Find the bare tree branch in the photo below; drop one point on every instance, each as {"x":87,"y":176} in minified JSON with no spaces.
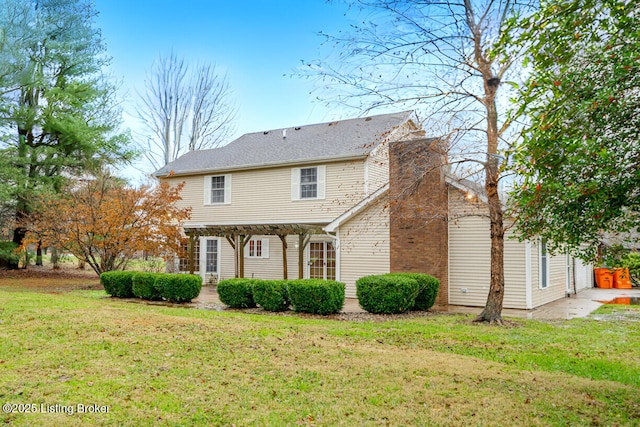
{"x":183,"y":110}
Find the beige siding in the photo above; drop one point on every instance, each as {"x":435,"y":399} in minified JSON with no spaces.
{"x":264,"y":195}
{"x":364,"y":245}
{"x":557,"y":278}
{"x":377,"y":168}
{"x":470,"y":258}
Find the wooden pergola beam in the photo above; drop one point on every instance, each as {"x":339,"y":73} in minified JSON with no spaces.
{"x":285,"y":272}
{"x":192,"y":250}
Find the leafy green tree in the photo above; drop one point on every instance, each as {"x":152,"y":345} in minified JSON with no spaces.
{"x":58,"y":118}
{"x":580,"y":156}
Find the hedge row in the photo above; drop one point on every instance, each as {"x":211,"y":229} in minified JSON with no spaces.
{"x":306,"y":296}
{"x":397,"y":292}
{"x":152,"y":286}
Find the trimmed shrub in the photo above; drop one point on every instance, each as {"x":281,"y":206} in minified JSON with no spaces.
{"x":237,"y":293}
{"x":272,"y":295}
{"x":144,"y":286}
{"x":316,"y":296}
{"x":387,"y":294}
{"x":428,"y":289}
{"x":179,"y":287}
{"x":118,"y":283}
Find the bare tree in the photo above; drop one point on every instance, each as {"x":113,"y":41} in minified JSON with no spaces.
{"x":444,"y":59}
{"x":184,"y":109}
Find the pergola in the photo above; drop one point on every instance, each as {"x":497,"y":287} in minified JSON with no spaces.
{"x":238,"y":235}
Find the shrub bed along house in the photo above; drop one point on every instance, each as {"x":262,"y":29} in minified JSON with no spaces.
{"x":387,"y":293}
{"x":151,"y":286}
{"x":144,"y":286}
{"x":316,"y":296}
{"x":272,"y":295}
{"x":118,"y":283}
{"x":237,"y":293}
{"x":179,"y":287}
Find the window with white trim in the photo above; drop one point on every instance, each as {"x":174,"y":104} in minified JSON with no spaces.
{"x":212,"y":256}
{"x":308,"y":183}
{"x":544,"y":264}
{"x":217,"y":190}
{"x":257,"y":248}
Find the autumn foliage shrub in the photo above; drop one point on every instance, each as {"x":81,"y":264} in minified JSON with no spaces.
{"x":272,"y":295}
{"x":144,"y":286}
{"x":179,"y":287}
{"x":428,"y":289}
{"x":237,"y":293}
{"x":316,"y":296}
{"x":118,"y":283}
{"x":387,"y":293}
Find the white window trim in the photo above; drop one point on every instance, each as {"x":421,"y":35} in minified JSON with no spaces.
{"x":227,"y":190}
{"x":203,"y":257}
{"x":295,"y":183}
{"x":541,"y":284}
{"x":265,"y":249}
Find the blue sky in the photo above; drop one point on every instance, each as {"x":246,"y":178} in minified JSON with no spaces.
{"x":258,"y":43}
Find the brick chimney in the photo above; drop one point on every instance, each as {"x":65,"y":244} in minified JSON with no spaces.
{"x":418,"y":210}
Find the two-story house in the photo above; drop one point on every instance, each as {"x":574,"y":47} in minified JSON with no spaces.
{"x":346,"y":199}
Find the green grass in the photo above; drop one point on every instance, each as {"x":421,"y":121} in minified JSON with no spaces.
{"x":156,"y":365}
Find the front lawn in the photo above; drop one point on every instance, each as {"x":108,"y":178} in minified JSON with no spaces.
{"x":154,"y":365}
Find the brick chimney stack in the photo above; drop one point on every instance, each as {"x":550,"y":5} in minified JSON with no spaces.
{"x":418,"y":210}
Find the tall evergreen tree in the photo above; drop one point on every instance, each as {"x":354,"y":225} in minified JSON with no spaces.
{"x":58,"y":118}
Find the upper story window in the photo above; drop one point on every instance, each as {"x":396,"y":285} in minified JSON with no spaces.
{"x":217,"y":190}
{"x":308,"y":183}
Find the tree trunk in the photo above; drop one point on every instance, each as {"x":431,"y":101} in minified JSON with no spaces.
{"x":18,"y":237}
{"x":39,"y":253}
{"x":54,"y":258}
{"x":493,"y":309}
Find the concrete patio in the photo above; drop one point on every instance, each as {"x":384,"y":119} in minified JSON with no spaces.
{"x":577,"y":305}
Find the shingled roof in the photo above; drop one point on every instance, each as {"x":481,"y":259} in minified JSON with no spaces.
{"x":342,"y":139}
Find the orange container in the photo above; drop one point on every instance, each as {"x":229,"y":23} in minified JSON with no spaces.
{"x":604,"y":278}
{"x":621,"y":278}
{"x":622,"y":301}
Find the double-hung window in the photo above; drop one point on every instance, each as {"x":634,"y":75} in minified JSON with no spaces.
{"x":308,"y":183}
{"x":217,"y":190}
{"x":212,"y":256}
